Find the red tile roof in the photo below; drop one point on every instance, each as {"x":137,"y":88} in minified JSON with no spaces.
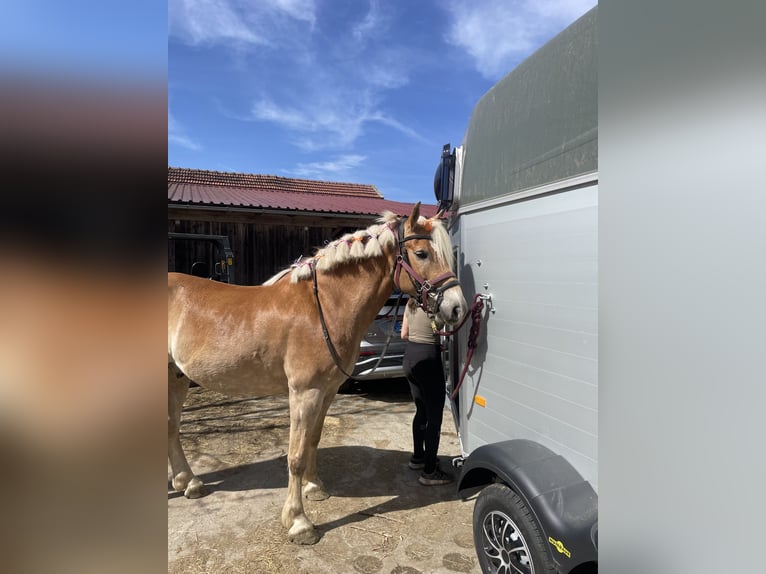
{"x":268,"y":182}
{"x":242,"y":190}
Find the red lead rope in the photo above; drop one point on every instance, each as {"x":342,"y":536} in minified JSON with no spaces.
{"x":473,"y":337}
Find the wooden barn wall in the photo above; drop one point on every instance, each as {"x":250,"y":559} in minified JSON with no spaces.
{"x":262,"y":245}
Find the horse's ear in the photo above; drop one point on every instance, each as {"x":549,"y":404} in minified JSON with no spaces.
{"x":415,"y":214}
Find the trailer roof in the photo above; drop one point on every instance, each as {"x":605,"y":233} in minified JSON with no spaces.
{"x":539,"y":124}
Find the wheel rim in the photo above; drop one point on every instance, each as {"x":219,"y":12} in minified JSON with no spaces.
{"x":504,"y":546}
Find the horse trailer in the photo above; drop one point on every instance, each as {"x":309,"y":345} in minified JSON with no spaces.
{"x":521,"y":193}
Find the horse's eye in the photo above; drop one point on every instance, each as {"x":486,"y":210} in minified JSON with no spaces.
{"x":420,"y":254}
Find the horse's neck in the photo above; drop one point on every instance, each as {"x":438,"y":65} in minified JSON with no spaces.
{"x":358,"y":289}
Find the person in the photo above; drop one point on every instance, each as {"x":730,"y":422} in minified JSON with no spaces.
{"x":425,"y":374}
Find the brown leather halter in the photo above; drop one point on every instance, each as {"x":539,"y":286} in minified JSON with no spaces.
{"x":428,"y":289}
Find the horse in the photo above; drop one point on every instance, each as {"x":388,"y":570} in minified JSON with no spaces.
{"x":299,"y":334}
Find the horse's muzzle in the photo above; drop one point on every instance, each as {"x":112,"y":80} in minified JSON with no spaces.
{"x":453,"y":306}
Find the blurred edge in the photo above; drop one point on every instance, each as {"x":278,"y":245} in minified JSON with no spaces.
{"x":682,"y":230}
{"x":82,"y":308}
{"x":79,"y":160}
{"x":81,"y":303}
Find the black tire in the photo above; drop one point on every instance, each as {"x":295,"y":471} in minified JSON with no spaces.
{"x":507,"y":537}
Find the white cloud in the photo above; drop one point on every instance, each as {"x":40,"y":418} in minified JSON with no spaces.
{"x":333,"y":118}
{"x":338,"y":165}
{"x":562,"y":10}
{"x":177,"y":135}
{"x":314,"y":125}
{"x":497,"y":34}
{"x":237,"y":22}
{"x":267,"y":110}
{"x":387,"y":77}
{"x":371,"y":22}
{"x":183,"y":141}
{"x":298,"y":9}
{"x":397,"y":125}
{"x":378,"y":62}
{"x":209,"y":21}
{"x":325,"y":90}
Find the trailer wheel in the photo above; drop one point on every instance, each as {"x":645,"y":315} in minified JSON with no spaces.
{"x":507,"y":537}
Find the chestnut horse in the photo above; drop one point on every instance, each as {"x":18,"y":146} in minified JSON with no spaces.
{"x":300,"y":336}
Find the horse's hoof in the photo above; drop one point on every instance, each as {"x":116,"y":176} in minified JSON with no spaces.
{"x":303,"y":537}
{"x":315,"y":492}
{"x":195,"y":489}
{"x":181,"y":481}
{"x":302,"y":532}
{"x":317,"y":495}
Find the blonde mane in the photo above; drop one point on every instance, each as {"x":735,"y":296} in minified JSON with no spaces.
{"x":369,"y":243}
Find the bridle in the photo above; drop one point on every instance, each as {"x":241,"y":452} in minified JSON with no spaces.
{"x":428,"y":289}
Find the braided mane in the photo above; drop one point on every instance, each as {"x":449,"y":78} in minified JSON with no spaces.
{"x":366,"y":244}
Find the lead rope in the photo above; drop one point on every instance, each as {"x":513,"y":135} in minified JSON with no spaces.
{"x":473,"y":337}
{"x":390,"y":334}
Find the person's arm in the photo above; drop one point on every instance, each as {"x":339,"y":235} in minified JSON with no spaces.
{"x":405,"y":332}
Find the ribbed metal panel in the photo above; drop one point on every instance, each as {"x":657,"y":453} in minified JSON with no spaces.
{"x":537,"y":361}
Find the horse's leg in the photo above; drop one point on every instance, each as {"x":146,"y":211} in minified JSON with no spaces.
{"x":313,"y":489}
{"x":305,"y":407}
{"x":183,"y":477}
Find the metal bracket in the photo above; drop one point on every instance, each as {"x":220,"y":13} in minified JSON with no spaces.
{"x":487,"y":297}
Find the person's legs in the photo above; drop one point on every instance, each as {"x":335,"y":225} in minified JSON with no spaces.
{"x":433,"y":392}
{"x":426,"y":377}
{"x":419,"y":422}
{"x":412,"y":356}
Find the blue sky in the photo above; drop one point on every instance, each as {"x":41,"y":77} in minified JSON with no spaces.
{"x":362,"y":91}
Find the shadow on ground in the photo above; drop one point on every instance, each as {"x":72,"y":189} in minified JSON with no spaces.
{"x":349,"y":472}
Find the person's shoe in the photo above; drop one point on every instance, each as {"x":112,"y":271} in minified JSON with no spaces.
{"x":436,"y":477}
{"x":416,"y":463}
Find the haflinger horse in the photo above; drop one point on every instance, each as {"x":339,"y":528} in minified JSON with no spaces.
{"x":299,"y":334}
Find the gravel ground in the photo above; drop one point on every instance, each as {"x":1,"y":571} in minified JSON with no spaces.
{"x":378,"y":518}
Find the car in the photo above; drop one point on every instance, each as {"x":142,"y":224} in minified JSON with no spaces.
{"x":382,"y":349}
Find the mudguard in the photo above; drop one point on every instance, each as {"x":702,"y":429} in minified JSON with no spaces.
{"x":564,"y":504}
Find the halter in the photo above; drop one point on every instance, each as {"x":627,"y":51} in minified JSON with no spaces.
{"x":426,"y":288}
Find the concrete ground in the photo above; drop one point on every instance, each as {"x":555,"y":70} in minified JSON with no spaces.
{"x":378,"y":519}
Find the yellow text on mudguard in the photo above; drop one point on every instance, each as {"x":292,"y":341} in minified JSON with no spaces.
{"x":559,"y":545}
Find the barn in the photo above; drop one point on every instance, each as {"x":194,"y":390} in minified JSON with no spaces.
{"x":269,"y":220}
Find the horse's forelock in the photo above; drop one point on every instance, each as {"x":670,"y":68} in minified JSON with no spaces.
{"x":440,"y":240}
{"x":442,"y":243}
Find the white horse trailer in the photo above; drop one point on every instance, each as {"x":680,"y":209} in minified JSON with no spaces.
{"x":522,"y":195}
